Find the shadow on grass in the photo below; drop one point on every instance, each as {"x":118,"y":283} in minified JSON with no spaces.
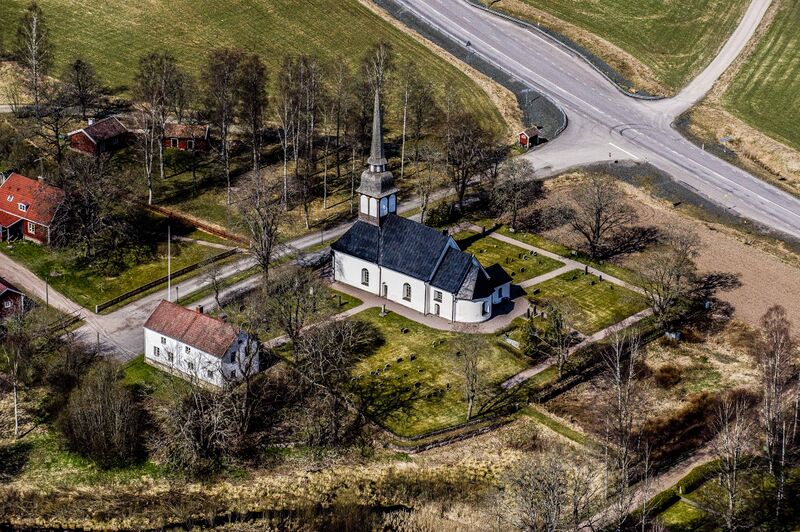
{"x":13,"y":458}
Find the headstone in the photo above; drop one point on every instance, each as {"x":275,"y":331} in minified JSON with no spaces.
{"x":586,"y":270}
{"x":528,"y":313}
{"x":383,"y":310}
{"x":339,"y":298}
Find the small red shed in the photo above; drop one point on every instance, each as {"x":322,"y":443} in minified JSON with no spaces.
{"x":104,"y":136}
{"x":186,"y":136}
{"x":12,"y":301}
{"x":529,"y":138}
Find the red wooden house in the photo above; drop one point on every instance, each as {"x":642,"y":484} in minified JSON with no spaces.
{"x":185,"y":136}
{"x":529,"y":138}
{"x":27,"y":208}
{"x":12,"y":301}
{"x":103,"y":136}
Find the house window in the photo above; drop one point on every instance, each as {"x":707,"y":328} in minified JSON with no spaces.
{"x":188,"y":349}
{"x":156,"y":351}
{"x":163,"y":341}
{"x":365,"y":277}
{"x":407,"y":292}
{"x":485,"y":307}
{"x":23,"y":207}
{"x":233,"y":357}
{"x":210,"y":374}
{"x":170,"y":357}
{"x":32,"y":228}
{"x":10,"y":197}
{"x":437,"y":295}
{"x":233,"y":373}
{"x":7,"y":303}
{"x":190,"y":144}
{"x":174,"y":142}
{"x":190,"y":366}
{"x":437,"y":309}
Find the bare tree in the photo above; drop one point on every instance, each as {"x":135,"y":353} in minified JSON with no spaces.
{"x":84,"y":85}
{"x":425,"y":179}
{"x":294,"y":297}
{"x":33,"y":50}
{"x":775,"y":354}
{"x":554,"y":337}
{"x":214,"y":277}
{"x":553,"y":494}
{"x":287,"y":109}
{"x":623,"y":419}
{"x":377,"y":63}
{"x":252,"y":93}
{"x":146,"y":138}
{"x":667,"y":275}
{"x":598,"y":211}
{"x":53,"y":117}
{"x":468,"y":351}
{"x":732,"y":445}
{"x":423,"y":113}
{"x":309,"y":90}
{"x":219,"y":80}
{"x":14,"y":357}
{"x":262,"y":219}
{"x":468,"y":146}
{"x":158,"y":87}
{"x":518,"y":189}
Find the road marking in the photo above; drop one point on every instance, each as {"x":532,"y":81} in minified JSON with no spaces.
{"x":624,"y":150}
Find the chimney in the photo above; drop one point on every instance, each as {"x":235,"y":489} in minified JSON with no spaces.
{"x":91,"y":121}
{"x":199,"y":309}
{"x":445,"y":232}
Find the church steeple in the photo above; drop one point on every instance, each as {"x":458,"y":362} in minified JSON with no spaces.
{"x":378,"y":193}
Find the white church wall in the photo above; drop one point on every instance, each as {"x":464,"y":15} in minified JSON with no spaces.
{"x":445,"y":305}
{"x":472,"y":311}
{"x":394,"y":282}
{"x":501,"y":292}
{"x":347,"y":270}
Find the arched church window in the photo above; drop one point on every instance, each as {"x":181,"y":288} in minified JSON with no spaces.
{"x":407,"y":292}
{"x":365,"y":277}
{"x":384,"y":207}
{"x":392,"y":203}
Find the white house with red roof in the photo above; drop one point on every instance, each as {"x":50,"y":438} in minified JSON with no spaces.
{"x":198,"y":347}
{"x":27,"y":208}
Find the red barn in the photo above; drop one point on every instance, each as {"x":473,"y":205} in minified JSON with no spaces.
{"x":529,"y":138}
{"x":183,"y":136}
{"x":27,"y":208}
{"x":103,"y":136}
{"x":12,"y":301}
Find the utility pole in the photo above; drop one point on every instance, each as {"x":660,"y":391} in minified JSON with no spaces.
{"x":169,"y":263}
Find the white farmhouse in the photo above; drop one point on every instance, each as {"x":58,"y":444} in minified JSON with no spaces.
{"x":196,"y":346}
{"x":407,"y":262}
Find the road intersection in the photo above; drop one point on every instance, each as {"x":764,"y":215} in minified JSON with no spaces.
{"x":605,"y":123}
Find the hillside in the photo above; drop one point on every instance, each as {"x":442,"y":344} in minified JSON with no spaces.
{"x":113,"y":35}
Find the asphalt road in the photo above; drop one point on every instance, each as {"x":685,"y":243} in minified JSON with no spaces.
{"x":606,"y":124}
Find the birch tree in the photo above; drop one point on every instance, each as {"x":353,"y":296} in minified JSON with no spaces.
{"x":33,"y":50}
{"x":252,"y":93}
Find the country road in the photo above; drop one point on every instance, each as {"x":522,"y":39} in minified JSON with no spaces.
{"x":604,"y":123}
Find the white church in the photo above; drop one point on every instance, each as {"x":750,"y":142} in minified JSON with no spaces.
{"x":407,"y":262}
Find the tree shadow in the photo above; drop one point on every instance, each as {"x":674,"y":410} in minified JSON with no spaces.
{"x":630,"y":240}
{"x":13,"y":458}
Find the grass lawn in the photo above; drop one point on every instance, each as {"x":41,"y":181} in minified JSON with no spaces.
{"x":590,"y":307}
{"x":673,"y":39}
{"x":89,"y":287}
{"x":492,"y":251}
{"x":538,"y":241}
{"x":765,"y":92}
{"x":409,"y":410}
{"x":324,"y":28}
{"x":682,"y":516}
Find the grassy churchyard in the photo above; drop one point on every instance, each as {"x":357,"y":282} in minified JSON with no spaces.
{"x":517,"y":262}
{"x":419,"y":385}
{"x":590,"y":304}
{"x":674,"y":40}
{"x":765,"y":92}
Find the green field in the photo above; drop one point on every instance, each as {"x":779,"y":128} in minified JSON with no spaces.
{"x":89,"y":287}
{"x":114,"y":34}
{"x":765,"y":92}
{"x":591,"y":304}
{"x":674,"y":39}
{"x":409,"y":410}
{"x":491,"y":251}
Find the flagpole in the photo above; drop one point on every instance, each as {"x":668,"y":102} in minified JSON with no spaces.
{"x":169,"y":263}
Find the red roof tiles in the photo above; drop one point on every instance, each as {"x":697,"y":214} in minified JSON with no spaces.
{"x":104,"y":129}
{"x":198,"y":330}
{"x":29,"y":199}
{"x":185,"y":131}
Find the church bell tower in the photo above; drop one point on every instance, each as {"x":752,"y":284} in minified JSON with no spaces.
{"x":377,"y":190}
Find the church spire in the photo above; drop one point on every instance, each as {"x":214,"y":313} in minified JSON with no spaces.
{"x":377,"y":161}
